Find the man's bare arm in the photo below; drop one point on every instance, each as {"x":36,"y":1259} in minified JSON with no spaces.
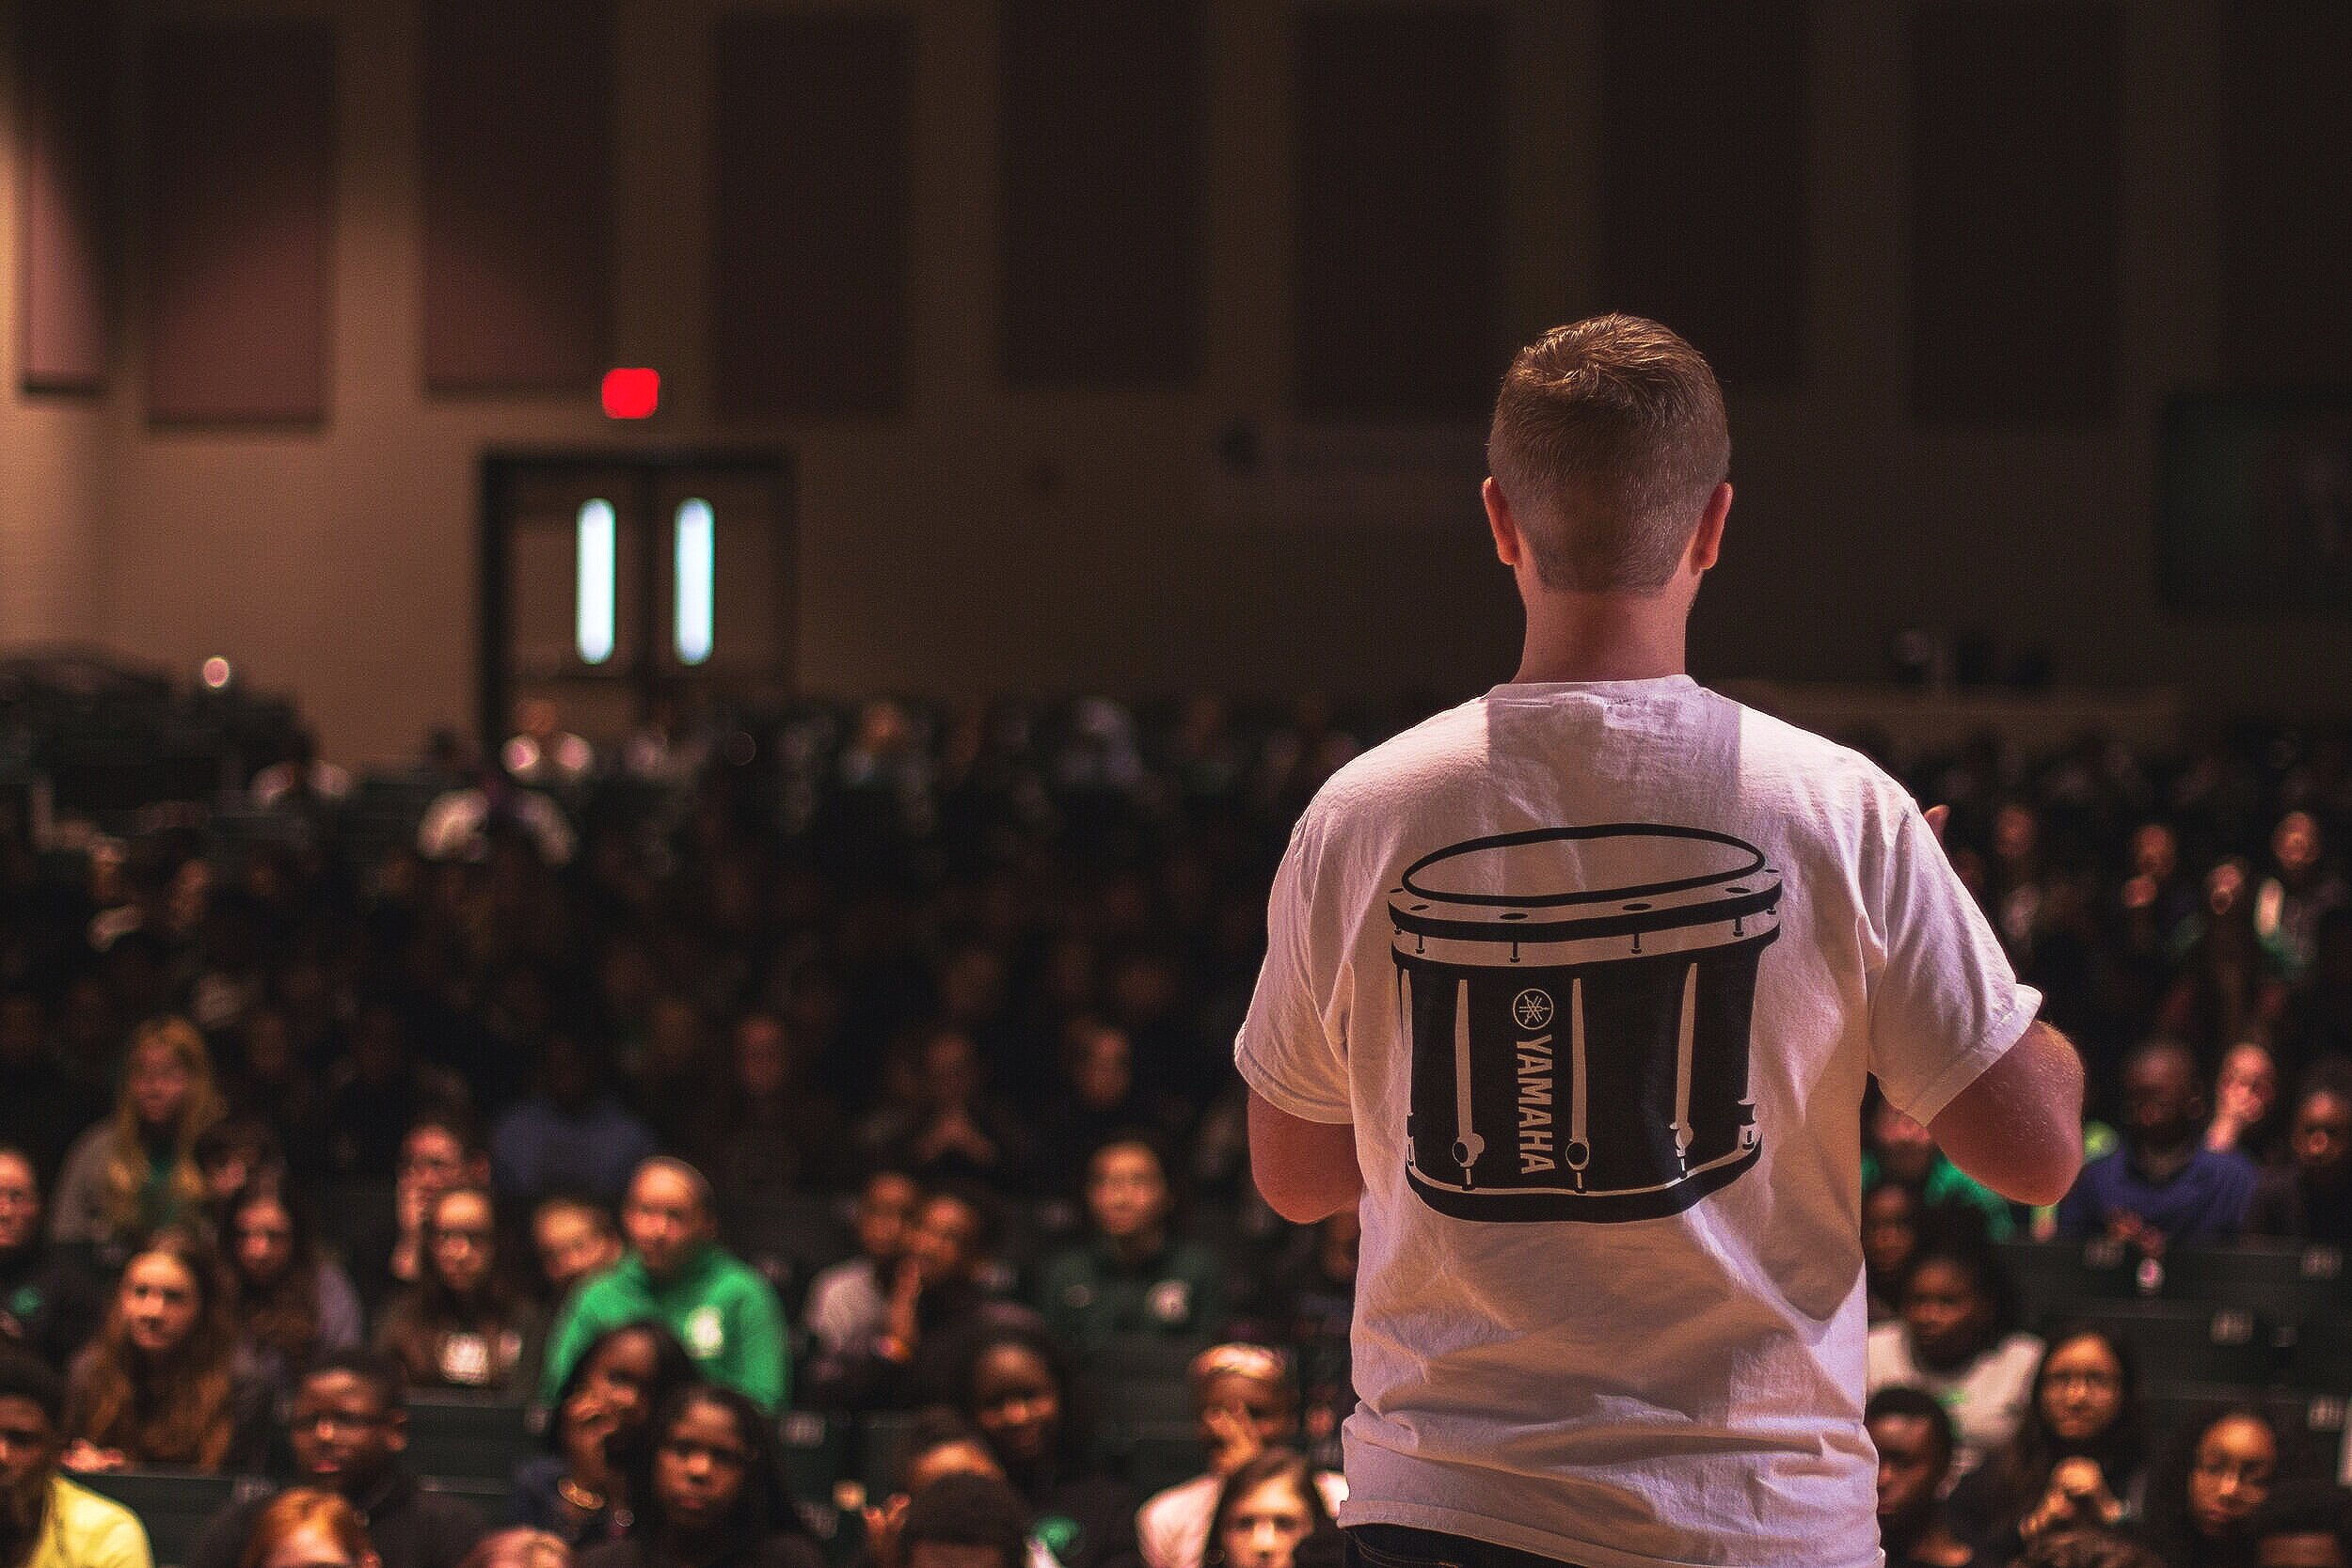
{"x":2018,"y":1128}
{"x":1306,"y":1170}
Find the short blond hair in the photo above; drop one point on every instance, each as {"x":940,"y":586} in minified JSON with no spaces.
{"x":1609,"y":437}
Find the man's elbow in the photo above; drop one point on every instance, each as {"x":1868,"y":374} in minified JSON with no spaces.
{"x":1306,"y":1200}
{"x":2050,"y":1179}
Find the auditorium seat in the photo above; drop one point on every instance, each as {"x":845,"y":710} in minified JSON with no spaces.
{"x":814,"y":1447}
{"x":2185,"y":1341}
{"x":468,"y":1438}
{"x":2322,"y":1355}
{"x":2286,"y":1282}
{"x":878,"y":1434}
{"x":2053,"y":1276}
{"x":1160,"y":1455}
{"x":488,"y":1495}
{"x":174,"y":1505}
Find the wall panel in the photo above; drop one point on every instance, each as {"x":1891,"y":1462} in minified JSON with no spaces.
{"x":517,"y":167}
{"x":1102,"y":149}
{"x":240,"y":140}
{"x":2015,"y":211}
{"x":1399,"y":306}
{"x":65,"y":196}
{"x":2286,"y":192}
{"x":1703,"y":194}
{"x":809,"y":300}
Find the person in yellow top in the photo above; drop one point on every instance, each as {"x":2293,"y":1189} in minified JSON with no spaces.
{"x":45,"y":1520}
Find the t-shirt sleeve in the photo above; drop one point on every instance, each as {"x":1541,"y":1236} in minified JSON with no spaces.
{"x":1944,"y":1004}
{"x":1285,"y":1049}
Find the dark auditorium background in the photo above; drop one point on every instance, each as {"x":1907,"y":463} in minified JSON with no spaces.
{"x":863,"y":775}
{"x":1141,"y":347}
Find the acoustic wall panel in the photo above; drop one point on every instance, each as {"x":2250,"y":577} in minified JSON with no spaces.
{"x":2286,"y":193}
{"x":517,"y":168}
{"x":1399,"y":310}
{"x":809,"y":313}
{"x":1703,"y":168}
{"x":1102,"y":149}
{"x":65,"y":196}
{"x":2015,"y":211}
{"x":239,"y":213}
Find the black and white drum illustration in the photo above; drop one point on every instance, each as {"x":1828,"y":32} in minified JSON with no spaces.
{"x":1579,"y":1001}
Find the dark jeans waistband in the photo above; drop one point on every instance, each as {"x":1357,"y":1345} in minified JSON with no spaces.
{"x":1403,"y":1547}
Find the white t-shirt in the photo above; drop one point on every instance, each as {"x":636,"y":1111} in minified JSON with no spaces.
{"x":1611,"y":1303}
{"x":1986,"y":1399}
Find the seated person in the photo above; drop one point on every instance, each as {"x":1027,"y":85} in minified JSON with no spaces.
{"x":713,"y":1492}
{"x":1891,"y":1215}
{"x":307,"y":1527}
{"x":1955,"y":1340}
{"x":2311,"y":1198}
{"x":2078,"y":1458}
{"x":579,"y":1491}
{"x":571,"y":1136}
{"x":1132,"y":1277}
{"x":2203,"y":1496}
{"x":159,"y":1385}
{"x":937,"y":1303}
{"x":291,"y":1304}
{"x":348,"y":1430}
{"x":136,"y":1170}
{"x":1012,"y":1387}
{"x":1269,"y":1513}
{"x":2303,"y":1524}
{"x":462,"y":1326}
{"x":965,"y":1521}
{"x":47,"y":1521}
{"x":1245,"y":1405}
{"x":1914,"y":1439}
{"x":48,"y":1303}
{"x":2163,"y":1185}
{"x":848,"y":1304}
{"x":675,"y":1273}
{"x":2245,"y":1103}
{"x":442,"y":1149}
{"x":1899,"y":1149}
{"x":576,"y":1239}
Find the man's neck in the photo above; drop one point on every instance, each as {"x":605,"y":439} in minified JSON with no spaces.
{"x":1601,"y":637}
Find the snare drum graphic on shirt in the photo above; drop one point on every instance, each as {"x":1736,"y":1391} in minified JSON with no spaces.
{"x":1578,"y":1001}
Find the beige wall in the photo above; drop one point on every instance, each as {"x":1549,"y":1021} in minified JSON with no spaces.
{"x":339,"y":563}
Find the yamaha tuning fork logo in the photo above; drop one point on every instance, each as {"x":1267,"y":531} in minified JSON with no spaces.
{"x":1578,"y":1001}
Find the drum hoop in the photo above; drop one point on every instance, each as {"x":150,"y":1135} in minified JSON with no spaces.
{"x":1594,"y":896}
{"x":1588,"y":925}
{"x":1538,"y":952}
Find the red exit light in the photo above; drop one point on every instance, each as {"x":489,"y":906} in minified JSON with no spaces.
{"x":631,"y":394}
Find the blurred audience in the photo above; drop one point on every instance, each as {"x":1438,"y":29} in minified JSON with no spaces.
{"x":597,"y":1430}
{"x":463,"y":1324}
{"x":48,"y":1303}
{"x":1914,"y":1439}
{"x":136,"y":1172}
{"x":1247,"y":1404}
{"x":710,"y":1492}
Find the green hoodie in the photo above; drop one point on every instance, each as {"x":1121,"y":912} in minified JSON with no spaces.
{"x":719,"y":1308}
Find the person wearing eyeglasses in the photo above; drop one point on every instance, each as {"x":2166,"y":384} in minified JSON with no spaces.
{"x":348,"y":1430}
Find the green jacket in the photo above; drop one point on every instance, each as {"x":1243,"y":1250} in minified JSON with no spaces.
{"x":719,"y":1308}
{"x":1947,"y":1183}
{"x":1089,"y":1298}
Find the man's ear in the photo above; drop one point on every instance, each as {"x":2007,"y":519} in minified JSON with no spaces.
{"x":1707,"y":540}
{"x":1509,"y":546}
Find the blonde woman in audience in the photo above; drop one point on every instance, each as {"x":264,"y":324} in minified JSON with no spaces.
{"x":1245,"y":1404}
{"x":136,"y":1171}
